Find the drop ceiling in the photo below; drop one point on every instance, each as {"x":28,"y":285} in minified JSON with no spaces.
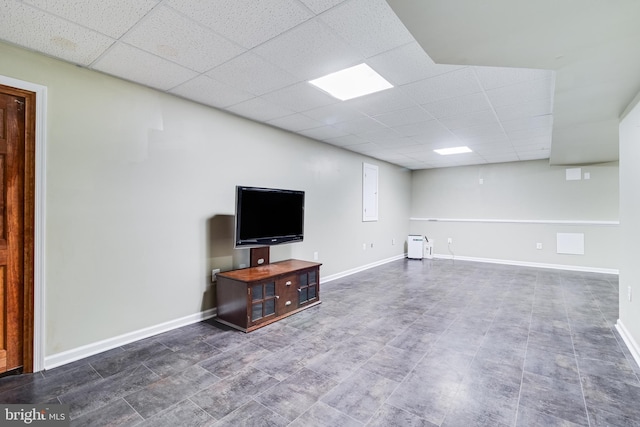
{"x":254,"y":59}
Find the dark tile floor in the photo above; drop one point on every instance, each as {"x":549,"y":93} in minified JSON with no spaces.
{"x":410,"y":343}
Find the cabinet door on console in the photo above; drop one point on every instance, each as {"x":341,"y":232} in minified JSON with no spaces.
{"x":308,"y":287}
{"x":263,"y":302}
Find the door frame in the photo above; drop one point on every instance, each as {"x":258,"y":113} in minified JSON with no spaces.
{"x":34,"y":351}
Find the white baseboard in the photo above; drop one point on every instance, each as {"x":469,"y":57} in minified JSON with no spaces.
{"x":632,"y":345}
{"x":531,"y":264}
{"x":361,"y":268}
{"x":72,"y":355}
{"x":78,"y":353}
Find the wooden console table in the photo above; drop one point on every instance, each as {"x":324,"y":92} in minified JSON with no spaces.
{"x":253,"y":297}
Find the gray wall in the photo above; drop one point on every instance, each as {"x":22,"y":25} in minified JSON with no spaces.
{"x":629,"y":322}
{"x":507,"y":215}
{"x":140,"y":201}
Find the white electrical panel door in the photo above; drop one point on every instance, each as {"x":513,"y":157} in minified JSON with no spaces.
{"x":369,"y":192}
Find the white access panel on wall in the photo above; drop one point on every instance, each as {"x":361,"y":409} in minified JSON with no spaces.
{"x":369,"y":192}
{"x":570,"y":243}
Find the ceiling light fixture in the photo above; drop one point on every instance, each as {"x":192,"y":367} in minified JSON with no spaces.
{"x":453,"y":150}
{"x":352,"y":82}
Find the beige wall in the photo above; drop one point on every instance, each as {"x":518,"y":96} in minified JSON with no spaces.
{"x":140,"y":197}
{"x":629,"y":322}
{"x":509,"y":213}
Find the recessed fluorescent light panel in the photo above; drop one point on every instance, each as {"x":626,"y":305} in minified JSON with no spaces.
{"x":453,"y":150}
{"x":352,"y":82}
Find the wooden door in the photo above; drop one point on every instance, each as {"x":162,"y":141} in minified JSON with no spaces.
{"x":16,"y":232}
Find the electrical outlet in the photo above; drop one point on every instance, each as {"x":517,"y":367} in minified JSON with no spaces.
{"x":214,"y":274}
{"x":364,"y":246}
{"x":538,"y":245}
{"x":315,"y":256}
{"x":449,"y":240}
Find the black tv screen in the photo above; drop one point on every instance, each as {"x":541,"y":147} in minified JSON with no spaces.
{"x":268,"y":216}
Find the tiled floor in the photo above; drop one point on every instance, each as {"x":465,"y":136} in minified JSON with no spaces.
{"x":411,"y":343}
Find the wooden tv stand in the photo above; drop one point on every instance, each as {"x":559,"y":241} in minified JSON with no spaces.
{"x":253,"y":297}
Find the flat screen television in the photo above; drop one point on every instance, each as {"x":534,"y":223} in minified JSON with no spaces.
{"x":268,"y":216}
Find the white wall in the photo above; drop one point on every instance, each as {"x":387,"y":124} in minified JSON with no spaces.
{"x":140,"y":197}
{"x":629,"y":322}
{"x":507,"y":215}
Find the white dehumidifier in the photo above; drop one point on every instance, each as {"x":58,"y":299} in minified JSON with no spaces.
{"x":415,"y":247}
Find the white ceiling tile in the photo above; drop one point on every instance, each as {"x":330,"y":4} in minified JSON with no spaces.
{"x":444,"y":86}
{"x":521,"y":92}
{"x":43,"y":32}
{"x":536,"y":107}
{"x":381,"y":135}
{"x":259,"y":109}
{"x":486,"y":117}
{"x":541,"y":132}
{"x":170,"y":35}
{"x":309,"y":51}
{"x":393,"y":157}
{"x":431,"y":130}
{"x":252,"y":74}
{"x":334,"y":113}
{"x":545,"y":121}
{"x":295,"y":122}
{"x":461,"y":160}
{"x":415,"y":165}
{"x":319,"y":6}
{"x":402,"y":144}
{"x":211,"y":92}
{"x":323,"y":132}
{"x":540,"y":140}
{"x":459,"y":105}
{"x":495,"y":77}
{"x":366,"y":148}
{"x":370,"y":26}
{"x":501,"y":158}
{"x":361,"y":125}
{"x":426,"y":156}
{"x":492,"y":131}
{"x":139,"y":66}
{"x":495,"y":148}
{"x":426,"y":148}
{"x":524,"y":148}
{"x":404,"y":117}
{"x":407,"y":64}
{"x":112,"y":18}
{"x":346,"y":140}
{"x":381,"y":102}
{"x":300,"y":97}
{"x":246,"y":22}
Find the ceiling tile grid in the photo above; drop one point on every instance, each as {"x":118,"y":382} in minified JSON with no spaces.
{"x":246,"y":22}
{"x":112,"y":18}
{"x":131,"y":63}
{"x":241,"y":72}
{"x":50,"y":34}
{"x":176,"y":38}
{"x":211,"y":92}
{"x":254,"y":59}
